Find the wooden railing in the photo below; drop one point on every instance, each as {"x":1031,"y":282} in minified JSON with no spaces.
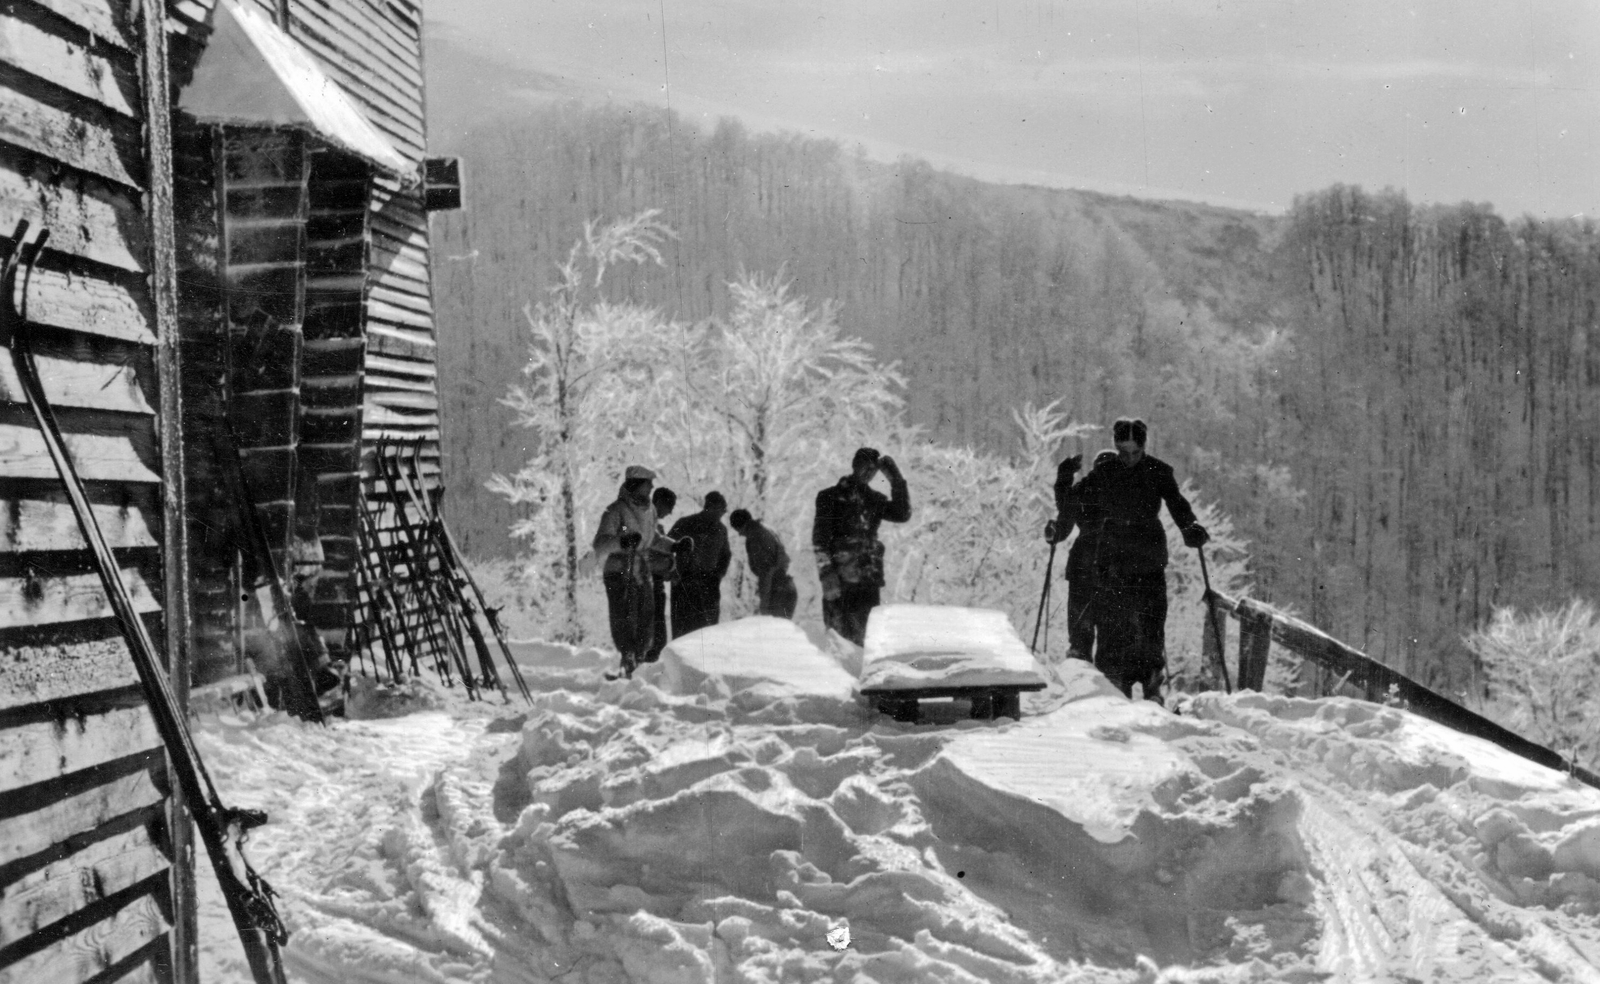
{"x":1260,"y":625}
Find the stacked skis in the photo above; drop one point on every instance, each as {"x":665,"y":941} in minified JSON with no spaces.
{"x":419,"y":603}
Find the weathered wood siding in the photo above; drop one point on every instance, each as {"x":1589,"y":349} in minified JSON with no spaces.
{"x":85,"y":857}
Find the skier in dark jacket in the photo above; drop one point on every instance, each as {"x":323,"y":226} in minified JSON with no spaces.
{"x":1130,"y":559}
{"x":844,"y":535}
{"x":769,"y":562}
{"x":697,"y":592}
{"x":664,"y":500}
{"x":1076,"y":508}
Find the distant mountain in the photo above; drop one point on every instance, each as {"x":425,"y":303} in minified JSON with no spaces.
{"x":466,"y":90}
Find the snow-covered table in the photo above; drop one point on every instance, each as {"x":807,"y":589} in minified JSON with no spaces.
{"x":915,"y":652}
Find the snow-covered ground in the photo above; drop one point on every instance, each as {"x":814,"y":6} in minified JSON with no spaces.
{"x":735,"y":814}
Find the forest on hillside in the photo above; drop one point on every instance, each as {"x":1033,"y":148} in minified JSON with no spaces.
{"x":1393,"y":403}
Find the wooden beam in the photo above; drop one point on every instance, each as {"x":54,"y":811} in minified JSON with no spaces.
{"x":85,"y":303}
{"x":48,"y":600}
{"x":1255,"y":641}
{"x":89,"y":952}
{"x":43,"y":520}
{"x":101,"y":18}
{"x":85,"y":217}
{"x":103,"y":868}
{"x":71,"y":382}
{"x":30,"y":833}
{"x":60,"y":663}
{"x":99,"y":457}
{"x":36,"y":752}
{"x":79,"y":143}
{"x":68,"y":64}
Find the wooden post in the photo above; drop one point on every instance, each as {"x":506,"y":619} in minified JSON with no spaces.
{"x":159,"y":212}
{"x":1255,"y":637}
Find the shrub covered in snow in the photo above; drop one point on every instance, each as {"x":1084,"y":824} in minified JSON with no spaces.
{"x":1541,"y":675}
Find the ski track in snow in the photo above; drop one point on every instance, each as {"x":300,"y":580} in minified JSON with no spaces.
{"x":711,"y":821}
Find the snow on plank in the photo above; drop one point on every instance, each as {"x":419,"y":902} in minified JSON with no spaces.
{"x":918,"y":651}
{"x":770,"y":656}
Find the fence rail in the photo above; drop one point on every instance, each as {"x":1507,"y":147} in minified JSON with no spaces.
{"x":1261,"y":624}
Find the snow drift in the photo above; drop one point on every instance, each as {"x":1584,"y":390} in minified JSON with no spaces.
{"x":735,"y":813}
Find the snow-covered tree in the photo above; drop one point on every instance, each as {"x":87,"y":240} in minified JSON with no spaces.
{"x":580,"y":351}
{"x":1541,"y":675}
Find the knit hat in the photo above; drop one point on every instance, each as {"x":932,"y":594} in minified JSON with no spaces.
{"x":636,"y":472}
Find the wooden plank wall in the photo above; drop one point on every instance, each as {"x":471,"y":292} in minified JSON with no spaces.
{"x":373,"y":49}
{"x":85,"y":859}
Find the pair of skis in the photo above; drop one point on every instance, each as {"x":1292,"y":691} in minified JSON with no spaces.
{"x":222,"y":829}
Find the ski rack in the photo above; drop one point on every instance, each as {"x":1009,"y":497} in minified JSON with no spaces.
{"x":460,"y":578}
{"x":222,"y":829}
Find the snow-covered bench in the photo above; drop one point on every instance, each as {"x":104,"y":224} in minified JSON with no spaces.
{"x":917,"y":652}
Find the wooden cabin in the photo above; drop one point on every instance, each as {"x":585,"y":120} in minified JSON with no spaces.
{"x":219,"y":268}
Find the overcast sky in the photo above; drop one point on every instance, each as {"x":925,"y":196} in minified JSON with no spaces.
{"x":1242,"y":102}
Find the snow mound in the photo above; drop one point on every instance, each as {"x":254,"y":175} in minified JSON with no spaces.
{"x":912,"y":646}
{"x":731,"y":815}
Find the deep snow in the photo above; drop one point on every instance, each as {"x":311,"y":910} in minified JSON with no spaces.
{"x":735,"y":814}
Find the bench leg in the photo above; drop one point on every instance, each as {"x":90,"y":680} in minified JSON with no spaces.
{"x":899,"y":708}
{"x":1009,"y":704}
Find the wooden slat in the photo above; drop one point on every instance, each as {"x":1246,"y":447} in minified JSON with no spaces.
{"x":383,"y":365}
{"x":30,"y":833}
{"x":73,"y":140}
{"x":102,"y":18}
{"x":71,"y":66}
{"x":88,"y":304}
{"x":405,"y":263}
{"x":412,"y":302}
{"x":85,"y":218}
{"x":382,"y":416}
{"x":99,"y":457}
{"x":72,"y":383}
{"x":103,"y":868}
{"x":393,"y":314}
{"x":59,"y":663}
{"x":400,"y":222}
{"x":35,"y":752}
{"x":386,"y":382}
{"x":345,"y":49}
{"x":44,"y":520}
{"x":67,"y":598}
{"x":405,"y":344}
{"x":84,"y":954}
{"x":402,"y":398}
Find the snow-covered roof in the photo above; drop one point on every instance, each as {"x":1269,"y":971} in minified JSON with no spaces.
{"x":253,"y":74}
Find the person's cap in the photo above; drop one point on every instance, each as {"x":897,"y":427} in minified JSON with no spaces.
{"x":637,"y":472}
{"x":868,"y":456}
{"x":1129,"y":429}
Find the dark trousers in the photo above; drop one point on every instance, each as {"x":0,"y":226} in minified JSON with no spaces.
{"x":1080,"y":619}
{"x":632,"y":608}
{"x":1130,"y":619}
{"x":696,"y":603}
{"x":658,"y":633}
{"x":776,"y":595}
{"x":847,"y":614}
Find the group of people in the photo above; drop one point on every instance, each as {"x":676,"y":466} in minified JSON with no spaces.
{"x":1116,"y":568}
{"x":641,"y":561}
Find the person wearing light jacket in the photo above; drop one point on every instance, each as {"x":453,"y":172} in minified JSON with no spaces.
{"x":623,"y":546}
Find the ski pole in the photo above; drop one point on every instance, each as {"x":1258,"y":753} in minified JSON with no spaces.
{"x":1044,"y":595}
{"x":1211,"y":619}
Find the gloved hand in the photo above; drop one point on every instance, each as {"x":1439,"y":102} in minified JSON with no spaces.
{"x":630,"y":539}
{"x":1050,"y":531}
{"x":888,"y":467}
{"x":1195,"y":536}
{"x":1070,"y":465}
{"x":831,"y":588}
{"x":683,"y":545}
